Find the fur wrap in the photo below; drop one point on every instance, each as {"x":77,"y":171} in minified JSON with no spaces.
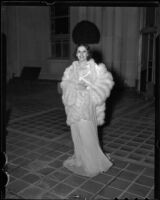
{"x":99,"y":85}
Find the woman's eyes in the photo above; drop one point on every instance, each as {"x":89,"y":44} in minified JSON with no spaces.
{"x":82,"y":51}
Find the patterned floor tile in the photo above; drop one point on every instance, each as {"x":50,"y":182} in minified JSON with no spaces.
{"x":135,"y":168}
{"x":16,"y":186}
{"x":42,"y":151}
{"x":21,"y":161}
{"x":102,"y":178}
{"x":45,"y":158}
{"x":49,"y":196}
{"x":74,"y":180}
{"x":11,"y":156}
{"x":120,"y":184}
{"x":139,"y":190}
{"x":56,"y":164}
{"x":61,"y":190}
{"x":127,"y":148}
{"x":32,"y":192}
{"x":120,"y":163}
{"x":151,"y":194}
{"x":46,"y":183}
{"x":19,"y":172}
{"x":149,"y":172}
{"x":46,"y":171}
{"x":113,"y":171}
{"x":63,"y":157}
{"x":54,"y":154}
{"x":59,"y":175}
{"x":11,"y":178}
{"x":120,"y":153}
{"x":11,"y":195}
{"x":92,"y":187}
{"x":32,"y":156}
{"x":65,"y":170}
{"x":98,"y":197}
{"x":146,"y":181}
{"x":130,"y":196}
{"x":141,"y":151}
{"x":37,"y":165}
{"x":149,"y":161}
{"x":11,"y":167}
{"x":110,"y":193}
{"x":31,"y":178}
{"x":135,"y":157}
{"x":79,"y":193}
{"x":128,"y":176}
{"x":32,"y":147}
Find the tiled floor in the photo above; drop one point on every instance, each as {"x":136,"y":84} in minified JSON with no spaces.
{"x":38,"y":141}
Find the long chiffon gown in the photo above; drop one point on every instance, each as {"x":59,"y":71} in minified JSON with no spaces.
{"x":85,"y":111}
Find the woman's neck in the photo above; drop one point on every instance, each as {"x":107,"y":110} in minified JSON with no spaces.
{"x":82,"y":63}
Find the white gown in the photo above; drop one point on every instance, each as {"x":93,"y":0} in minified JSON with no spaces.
{"x":85,"y":111}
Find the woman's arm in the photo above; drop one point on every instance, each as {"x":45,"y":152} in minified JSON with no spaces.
{"x":68,"y":87}
{"x":101,"y":88}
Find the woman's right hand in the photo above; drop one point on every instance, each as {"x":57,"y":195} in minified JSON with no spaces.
{"x":81,"y":86}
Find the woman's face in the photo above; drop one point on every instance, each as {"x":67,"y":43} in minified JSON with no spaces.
{"x":82,"y":53}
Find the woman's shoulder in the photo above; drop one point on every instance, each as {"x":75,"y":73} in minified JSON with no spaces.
{"x":103,"y":71}
{"x":91,"y":61}
{"x":70,"y":67}
{"x":97,"y":67}
{"x":67,"y":71}
{"x":101,"y":68}
{"x":100,"y":65}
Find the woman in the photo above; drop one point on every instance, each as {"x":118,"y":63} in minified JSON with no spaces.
{"x":85,"y":87}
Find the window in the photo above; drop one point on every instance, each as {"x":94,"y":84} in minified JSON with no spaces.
{"x":60,"y":31}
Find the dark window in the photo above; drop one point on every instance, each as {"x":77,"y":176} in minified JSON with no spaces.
{"x":61,"y":26}
{"x":60,"y":32}
{"x":61,"y":10}
{"x":150,"y":16}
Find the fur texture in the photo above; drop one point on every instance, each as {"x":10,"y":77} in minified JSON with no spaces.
{"x":98,"y":90}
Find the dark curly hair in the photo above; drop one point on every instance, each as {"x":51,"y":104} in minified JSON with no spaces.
{"x":87,"y":48}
